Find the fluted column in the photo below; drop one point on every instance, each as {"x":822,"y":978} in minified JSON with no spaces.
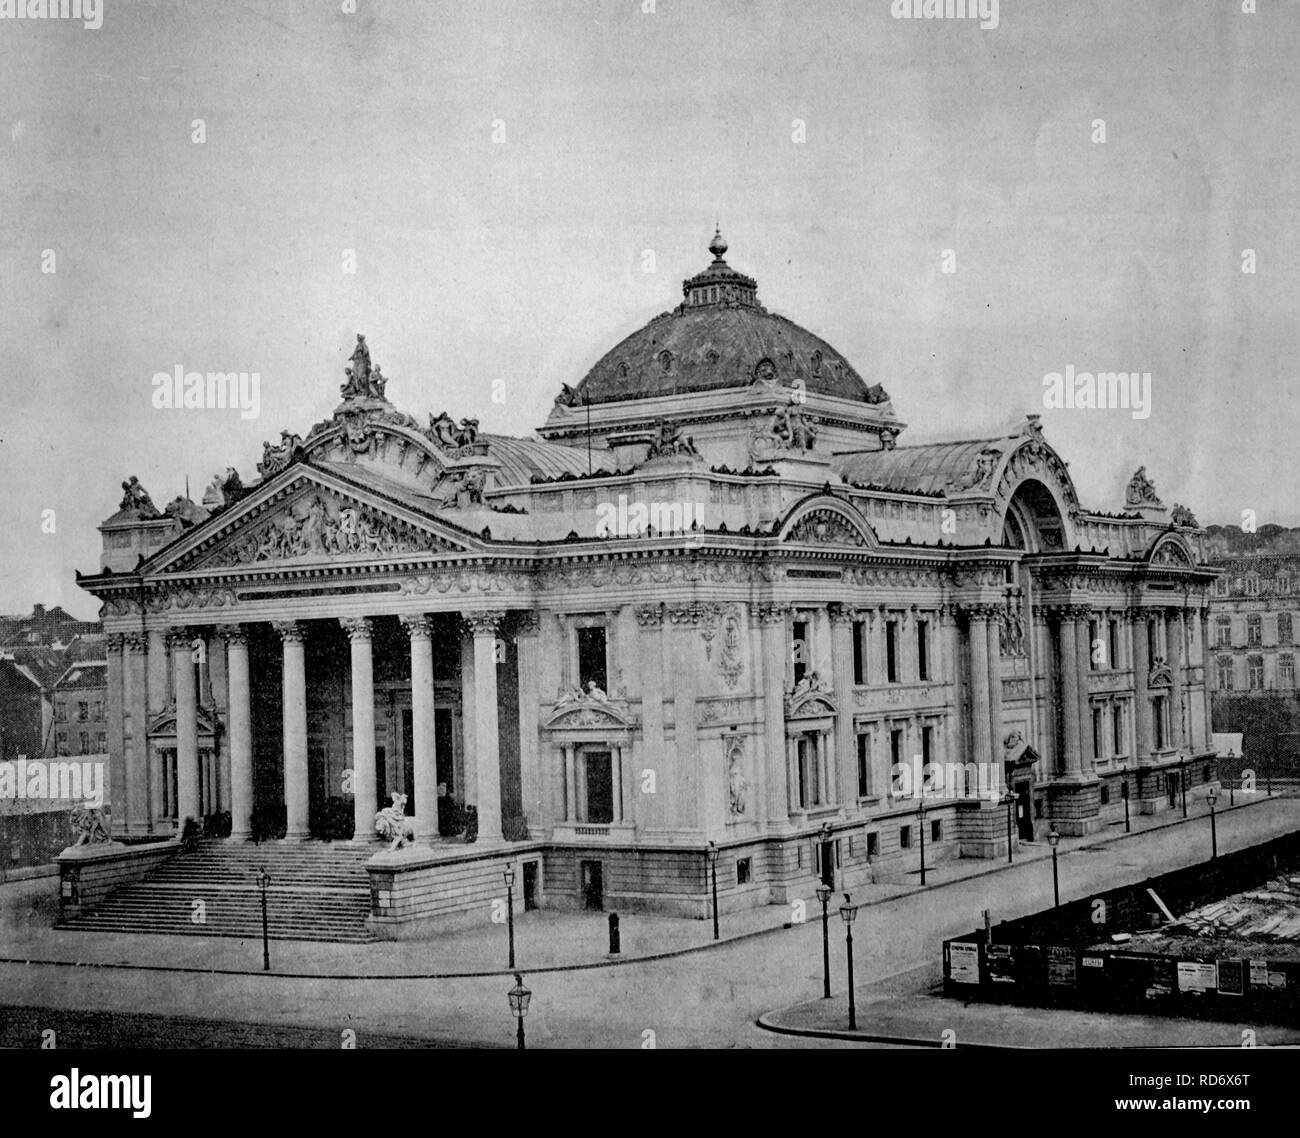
{"x":241,"y":732}
{"x":978,"y":648}
{"x":1083,"y":646}
{"x":1179,"y":728}
{"x":484,"y":626}
{"x":1142,"y":745}
{"x":140,"y":790}
{"x":123,"y":810}
{"x":993,"y":638}
{"x":1072,"y":738}
{"x":845,"y":758}
{"x":294,"y":720}
{"x":1207,"y":685}
{"x":364,"y":791}
{"x":772,"y":621}
{"x":420,"y":631}
{"x":187,"y":729}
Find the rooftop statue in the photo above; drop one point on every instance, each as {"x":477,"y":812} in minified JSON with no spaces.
{"x":136,"y":497}
{"x":1141,"y":490}
{"x":358,"y":384}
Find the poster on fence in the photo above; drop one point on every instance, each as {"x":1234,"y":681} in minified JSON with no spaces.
{"x":964,"y":963}
{"x":1060,"y":967}
{"x":1197,"y":976}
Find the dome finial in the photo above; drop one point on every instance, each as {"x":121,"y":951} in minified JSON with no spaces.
{"x":717,"y":246}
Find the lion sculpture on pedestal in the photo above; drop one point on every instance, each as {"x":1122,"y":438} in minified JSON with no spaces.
{"x":393,"y":825}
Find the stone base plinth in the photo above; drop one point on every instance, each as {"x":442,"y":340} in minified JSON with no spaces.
{"x":1074,"y":806}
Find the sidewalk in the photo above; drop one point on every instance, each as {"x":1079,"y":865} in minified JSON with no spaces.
{"x":694,"y":993}
{"x":547,"y":940}
{"x":911,"y":1011}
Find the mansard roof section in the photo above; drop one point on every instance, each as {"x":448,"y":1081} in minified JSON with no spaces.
{"x":925,"y":468}
{"x":309,"y":512}
{"x":522,"y":460}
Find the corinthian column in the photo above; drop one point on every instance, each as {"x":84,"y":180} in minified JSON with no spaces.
{"x":1179,"y":729}
{"x":1142,"y":746}
{"x":294,"y":718}
{"x":484,"y":627}
{"x":241,"y":732}
{"x":363,"y":730}
{"x":772,"y":620}
{"x":420,"y":631}
{"x":980,"y":702}
{"x":187,"y":729}
{"x":1070,"y":687}
{"x":993,"y":632}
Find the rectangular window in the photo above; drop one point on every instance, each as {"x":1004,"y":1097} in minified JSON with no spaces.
{"x":1254,"y":636}
{"x":60,"y":713}
{"x":1224,"y":668}
{"x":744,"y":870}
{"x":1284,"y":628}
{"x":923,"y":649}
{"x":1097,"y":751}
{"x":1255,"y":669}
{"x":799,"y":649}
{"x":1113,"y":635}
{"x":1153,"y":641}
{"x":859,"y":652}
{"x":83,"y":711}
{"x":896,"y":747}
{"x":97,"y":710}
{"x":1117,"y":729}
{"x":873,"y":845}
{"x":936,"y":830}
{"x":1223,"y":632}
{"x":101,"y":742}
{"x":891,"y":651}
{"x":1105,"y":794}
{"x":1093,"y":637}
{"x":1286,"y":671}
{"x":591,"y":659}
{"x":905,"y":838}
{"x":1158,"y":714}
{"x":83,"y":741}
{"x":927,"y":746}
{"x":864,"y":765}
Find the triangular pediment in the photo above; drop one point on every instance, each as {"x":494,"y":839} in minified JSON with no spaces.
{"x":306,"y":516}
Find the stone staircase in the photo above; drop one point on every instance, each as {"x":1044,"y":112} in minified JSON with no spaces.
{"x":319,"y":891}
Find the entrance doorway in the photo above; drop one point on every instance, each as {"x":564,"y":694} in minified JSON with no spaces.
{"x":828,"y":864}
{"x":1024,"y":812}
{"x":592,"y":877}
{"x":1171,"y":787}
{"x":530,"y":886}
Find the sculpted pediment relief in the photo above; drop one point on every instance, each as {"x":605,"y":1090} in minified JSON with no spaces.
{"x":315,"y":523}
{"x":827,"y":522}
{"x":591,"y":710}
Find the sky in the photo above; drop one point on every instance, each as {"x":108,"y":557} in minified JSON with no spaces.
{"x":517,"y":185}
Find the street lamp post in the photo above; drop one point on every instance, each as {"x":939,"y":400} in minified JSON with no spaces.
{"x":1212,"y":797}
{"x":1010,"y":801}
{"x":713,"y":867}
{"x":1182,"y":781}
{"x":519,"y":997}
{"x":1123,"y":789}
{"x":824,"y":896}
{"x":922,"y":829}
{"x":849,"y":911}
{"x":509,"y":875}
{"x":263,"y":880}
{"x":1054,"y":839}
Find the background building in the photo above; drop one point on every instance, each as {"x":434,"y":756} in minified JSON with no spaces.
{"x":1255,"y":609}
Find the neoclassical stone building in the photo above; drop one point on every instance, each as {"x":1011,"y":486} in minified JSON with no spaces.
{"x":715,"y":600}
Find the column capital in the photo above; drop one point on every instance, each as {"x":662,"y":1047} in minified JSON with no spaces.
{"x":842,"y":614}
{"x":650,"y":616}
{"x":233,"y":634}
{"x":772,"y":612}
{"x":359,"y":628}
{"x":135,"y":641}
{"x":289,"y":631}
{"x":1136,"y":615}
{"x":180,"y":636}
{"x":982,"y":612}
{"x":527,"y":623}
{"x":484,"y":622}
{"x":418,"y":627}
{"x":115,"y":641}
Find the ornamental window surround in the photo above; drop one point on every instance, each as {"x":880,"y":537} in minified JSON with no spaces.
{"x":1224,"y":668}
{"x":1255,"y":672}
{"x":1286,"y":670}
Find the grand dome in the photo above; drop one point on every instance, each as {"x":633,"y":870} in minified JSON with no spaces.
{"x":718,"y":337}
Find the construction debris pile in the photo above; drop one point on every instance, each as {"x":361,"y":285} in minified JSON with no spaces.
{"x":1271,"y":914}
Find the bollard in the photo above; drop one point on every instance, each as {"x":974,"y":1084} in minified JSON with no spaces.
{"x":613,"y":934}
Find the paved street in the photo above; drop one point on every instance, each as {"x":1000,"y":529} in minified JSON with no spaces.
{"x":698,"y":995}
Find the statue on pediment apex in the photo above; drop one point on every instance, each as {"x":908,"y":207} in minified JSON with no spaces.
{"x":1141,"y":490}
{"x":136,"y":497}
{"x":358,"y":384}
